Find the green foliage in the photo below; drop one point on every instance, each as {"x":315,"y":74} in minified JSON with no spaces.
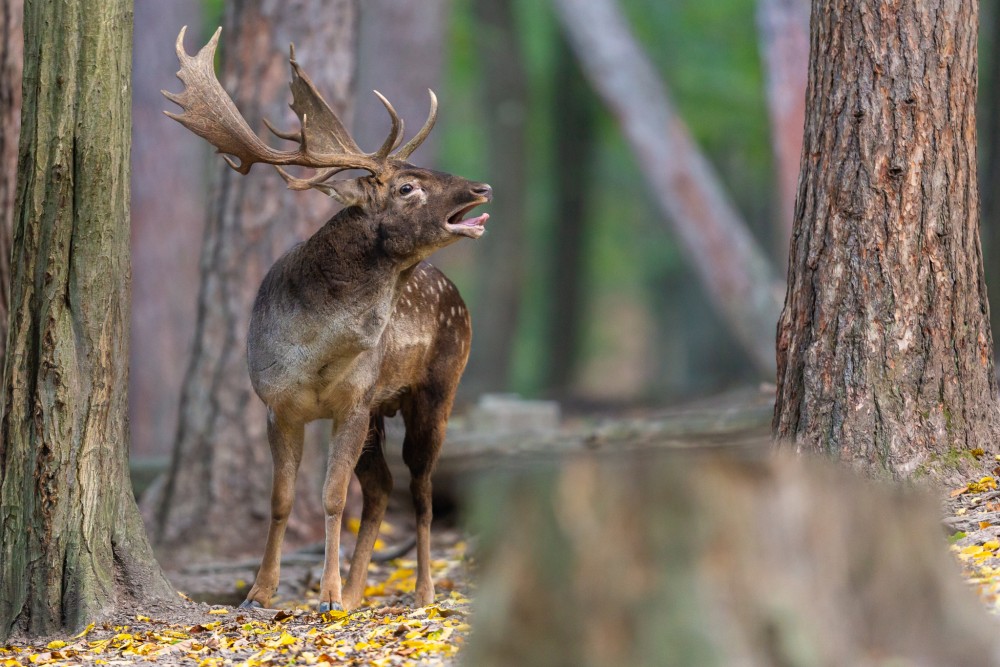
{"x":708,"y":54}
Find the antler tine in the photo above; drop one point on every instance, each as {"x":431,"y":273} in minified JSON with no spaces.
{"x":306,"y":183}
{"x":395,"y":132}
{"x":209,"y":112}
{"x":419,"y":137}
{"x":289,"y":136}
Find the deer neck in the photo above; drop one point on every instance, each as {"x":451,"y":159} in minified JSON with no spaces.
{"x":345,"y":267}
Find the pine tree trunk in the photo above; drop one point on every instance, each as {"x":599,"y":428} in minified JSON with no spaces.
{"x":884,"y":349}
{"x":216,"y":499}
{"x":73,"y":546}
{"x":11,"y":59}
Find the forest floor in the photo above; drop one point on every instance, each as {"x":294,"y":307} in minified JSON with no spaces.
{"x":206,"y":630}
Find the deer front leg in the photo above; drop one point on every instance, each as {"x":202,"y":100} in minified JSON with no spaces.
{"x":376,"y":485}
{"x":344,"y":453}
{"x":286,"y":452}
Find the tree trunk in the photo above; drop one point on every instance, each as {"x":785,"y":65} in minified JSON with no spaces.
{"x":168,"y":204}
{"x":885,"y":355}
{"x":11,"y":59}
{"x":784,"y":43}
{"x":680,"y":560}
{"x":400,"y":54}
{"x":73,"y":546}
{"x":573,"y":155}
{"x":216,"y":498}
{"x":500,"y":259}
{"x":734,"y":269}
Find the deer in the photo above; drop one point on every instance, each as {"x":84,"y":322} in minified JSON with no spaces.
{"x":352,"y":324}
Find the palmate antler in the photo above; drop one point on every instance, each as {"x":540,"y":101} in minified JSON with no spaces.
{"x":324,"y":142}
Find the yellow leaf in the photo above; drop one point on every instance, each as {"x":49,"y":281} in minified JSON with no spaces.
{"x":55,"y":645}
{"x":354,"y":525}
{"x":984,"y":524}
{"x":991,"y":545}
{"x":84,"y":632}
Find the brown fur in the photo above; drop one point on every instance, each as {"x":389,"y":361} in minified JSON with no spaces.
{"x":351,"y":325}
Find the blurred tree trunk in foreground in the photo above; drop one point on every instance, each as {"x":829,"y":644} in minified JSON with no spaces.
{"x":168,"y":216}
{"x":11,"y":63}
{"x":734,"y":269}
{"x":72,"y":546}
{"x":885,"y":355}
{"x":500,"y":258}
{"x":784,"y":43}
{"x":572,"y":166}
{"x":216,"y":498}
{"x":661,"y":560}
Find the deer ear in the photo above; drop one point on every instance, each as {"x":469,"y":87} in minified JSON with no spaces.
{"x":348,"y":192}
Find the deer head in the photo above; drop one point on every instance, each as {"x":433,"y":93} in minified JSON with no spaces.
{"x":416,"y":210}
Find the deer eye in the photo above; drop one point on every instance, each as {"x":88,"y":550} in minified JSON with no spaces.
{"x":406,"y":189}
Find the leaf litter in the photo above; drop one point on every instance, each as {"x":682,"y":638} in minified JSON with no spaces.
{"x":973,"y":521}
{"x":387,"y":631}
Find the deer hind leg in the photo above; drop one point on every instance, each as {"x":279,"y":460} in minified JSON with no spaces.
{"x":286,"y":452}
{"x":376,"y":485}
{"x":345,"y":451}
{"x":426,"y":417}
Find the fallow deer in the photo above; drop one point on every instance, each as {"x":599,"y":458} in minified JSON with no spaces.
{"x":351,"y":325}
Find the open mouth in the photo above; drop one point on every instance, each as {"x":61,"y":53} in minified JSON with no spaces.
{"x":471,"y":227}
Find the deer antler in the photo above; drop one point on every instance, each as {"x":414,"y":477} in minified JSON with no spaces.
{"x":324,"y":142}
{"x":210,"y":113}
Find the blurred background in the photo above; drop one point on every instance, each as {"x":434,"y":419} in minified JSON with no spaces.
{"x":580,"y":290}
{"x":644,"y":156}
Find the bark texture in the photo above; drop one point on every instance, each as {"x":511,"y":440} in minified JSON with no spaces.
{"x":216,"y":498}
{"x":496,"y":308}
{"x":168,"y":218}
{"x":736,"y":272}
{"x":11,"y":62}
{"x":676,"y":560}
{"x":884,"y":346}
{"x":73,"y":546}
{"x":784,"y":44}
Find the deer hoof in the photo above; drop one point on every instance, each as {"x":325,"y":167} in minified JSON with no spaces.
{"x":250,"y":604}
{"x":330,"y":606}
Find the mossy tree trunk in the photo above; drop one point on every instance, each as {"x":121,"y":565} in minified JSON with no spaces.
{"x":11,"y":56}
{"x":73,"y":546}
{"x":885,"y":356}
